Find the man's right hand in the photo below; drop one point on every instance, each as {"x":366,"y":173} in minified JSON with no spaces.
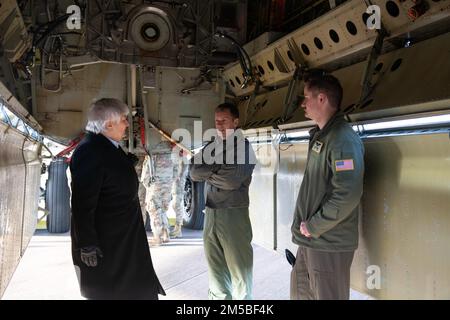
{"x":304,"y":231}
{"x":90,"y":255}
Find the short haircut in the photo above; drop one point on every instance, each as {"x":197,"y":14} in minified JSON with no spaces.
{"x":323,"y":82}
{"x":228,"y":106}
{"x":103,"y":110}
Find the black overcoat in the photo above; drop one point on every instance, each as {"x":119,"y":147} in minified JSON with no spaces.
{"x":106,"y":213}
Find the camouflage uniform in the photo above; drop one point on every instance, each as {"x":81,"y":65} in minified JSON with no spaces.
{"x":141,"y":191}
{"x":177,"y":192}
{"x":158,"y":193}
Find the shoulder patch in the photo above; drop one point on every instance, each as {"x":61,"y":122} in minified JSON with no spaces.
{"x":344,"y":165}
{"x":317,"y":147}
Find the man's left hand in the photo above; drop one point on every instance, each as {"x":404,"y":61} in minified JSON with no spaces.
{"x":304,"y":231}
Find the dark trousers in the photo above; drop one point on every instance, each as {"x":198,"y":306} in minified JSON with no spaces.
{"x":321,"y":275}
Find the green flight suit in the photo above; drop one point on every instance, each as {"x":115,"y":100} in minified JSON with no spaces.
{"x":328,"y":202}
{"x":227,"y":238}
{"x":227,"y":232}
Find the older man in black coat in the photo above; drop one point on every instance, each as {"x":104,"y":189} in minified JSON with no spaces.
{"x":109,"y":244}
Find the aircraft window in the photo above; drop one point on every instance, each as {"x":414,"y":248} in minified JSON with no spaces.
{"x":318,"y":43}
{"x":261,"y":70}
{"x":392,"y":8}
{"x":238,"y":80}
{"x":365,"y":104}
{"x":2,"y":113}
{"x":8,"y":117}
{"x":290,"y":55}
{"x":232,"y":83}
{"x":396,"y":64}
{"x":21,"y":127}
{"x":351,"y":28}
{"x":271,"y":67}
{"x":334,"y":36}
{"x":13,"y":119}
{"x":34,"y":134}
{"x":305,"y":49}
{"x":269,"y":121}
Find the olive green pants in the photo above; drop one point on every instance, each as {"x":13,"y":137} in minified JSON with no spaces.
{"x":227,"y":237}
{"x":321,"y":275}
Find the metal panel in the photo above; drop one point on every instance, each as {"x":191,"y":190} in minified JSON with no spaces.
{"x":262,"y":194}
{"x":62,"y":114}
{"x":267,"y":109}
{"x":417,"y":73}
{"x":16,"y":209}
{"x":348,"y":44}
{"x":406,"y":221}
{"x":290,"y":176}
{"x":180,"y":95}
{"x":31,"y":151}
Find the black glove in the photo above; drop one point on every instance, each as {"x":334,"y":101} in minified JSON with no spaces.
{"x":89,"y":255}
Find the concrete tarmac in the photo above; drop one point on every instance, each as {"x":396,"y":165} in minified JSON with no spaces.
{"x":46,"y":272}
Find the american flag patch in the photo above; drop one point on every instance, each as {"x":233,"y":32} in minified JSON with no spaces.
{"x":344,"y":165}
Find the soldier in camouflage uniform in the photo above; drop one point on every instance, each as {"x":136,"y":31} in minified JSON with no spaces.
{"x":177,"y":191}
{"x":158,"y":190}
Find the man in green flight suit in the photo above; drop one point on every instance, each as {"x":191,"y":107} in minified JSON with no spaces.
{"x":226,"y":165}
{"x":325,"y":225}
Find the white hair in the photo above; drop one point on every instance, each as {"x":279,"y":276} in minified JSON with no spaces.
{"x":103,"y":110}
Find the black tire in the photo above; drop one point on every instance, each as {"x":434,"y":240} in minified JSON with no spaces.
{"x":57,"y":197}
{"x":193,"y":204}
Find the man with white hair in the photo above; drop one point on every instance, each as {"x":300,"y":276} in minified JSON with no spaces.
{"x":109,"y":244}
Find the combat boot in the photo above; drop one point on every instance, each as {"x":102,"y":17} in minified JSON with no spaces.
{"x":176,"y":232}
{"x":165,"y":236}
